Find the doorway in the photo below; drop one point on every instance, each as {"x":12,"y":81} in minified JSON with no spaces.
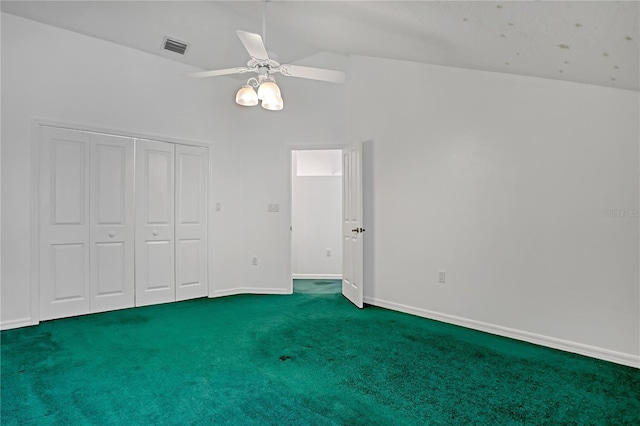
{"x":316,"y":217}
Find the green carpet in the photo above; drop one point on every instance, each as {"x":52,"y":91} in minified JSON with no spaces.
{"x":306,"y":359}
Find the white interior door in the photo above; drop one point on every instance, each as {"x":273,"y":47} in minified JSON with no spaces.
{"x":154,"y":262}
{"x":64,"y":223}
{"x":112,"y":223}
{"x":191,"y":221}
{"x":352,"y":230}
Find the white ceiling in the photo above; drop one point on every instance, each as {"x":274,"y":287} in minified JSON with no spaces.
{"x":588,"y":42}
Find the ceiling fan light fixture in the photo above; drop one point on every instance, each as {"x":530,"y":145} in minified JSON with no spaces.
{"x":246,"y":96}
{"x":273,"y":103}
{"x":268,"y":88}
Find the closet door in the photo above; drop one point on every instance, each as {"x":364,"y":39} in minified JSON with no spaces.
{"x":64,"y":223}
{"x":191,"y":221}
{"x":112,"y":223}
{"x":155,"y":276}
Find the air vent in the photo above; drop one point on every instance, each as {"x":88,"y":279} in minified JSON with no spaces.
{"x":174,"y":45}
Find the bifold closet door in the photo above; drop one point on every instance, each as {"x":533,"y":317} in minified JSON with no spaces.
{"x":86,"y":223}
{"x":104,"y":246}
{"x":64,"y":223}
{"x":112,"y":223}
{"x":191,"y":221}
{"x":155,"y":272}
{"x":171,"y":222}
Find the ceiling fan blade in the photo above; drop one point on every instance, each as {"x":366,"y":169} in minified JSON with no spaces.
{"x":254,"y":45}
{"x":313,"y":73}
{"x":214,"y":73}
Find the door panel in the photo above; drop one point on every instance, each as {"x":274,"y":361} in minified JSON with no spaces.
{"x":112,"y":223}
{"x":64,"y":223}
{"x":191,"y":221}
{"x":188,"y":262}
{"x":159,"y":271}
{"x":188,"y":186}
{"x":110,"y":266}
{"x":68,"y":266}
{"x":68,"y":181}
{"x":154,"y":271}
{"x":158,"y":182}
{"x":111,"y":177}
{"x":352,"y":231}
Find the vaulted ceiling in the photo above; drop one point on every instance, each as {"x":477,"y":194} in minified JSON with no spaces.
{"x":587,"y":42}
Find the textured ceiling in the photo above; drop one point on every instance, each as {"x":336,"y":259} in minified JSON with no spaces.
{"x":588,"y":42}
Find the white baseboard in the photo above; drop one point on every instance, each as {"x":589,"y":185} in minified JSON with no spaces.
{"x":317,"y":276}
{"x":249,"y":290}
{"x":551,"y":342}
{"x":17,"y":323}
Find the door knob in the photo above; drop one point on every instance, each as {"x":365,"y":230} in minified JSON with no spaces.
{"x":112,"y":234}
{"x":155,"y":233}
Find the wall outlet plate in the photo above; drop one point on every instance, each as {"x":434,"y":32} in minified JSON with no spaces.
{"x":441,"y":277}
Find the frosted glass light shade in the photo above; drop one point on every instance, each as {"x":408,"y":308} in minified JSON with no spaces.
{"x":273,"y":103}
{"x":246,"y":96}
{"x":268,"y":88}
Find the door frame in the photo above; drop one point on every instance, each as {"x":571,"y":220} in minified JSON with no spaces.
{"x":301,"y":147}
{"x":34,"y":255}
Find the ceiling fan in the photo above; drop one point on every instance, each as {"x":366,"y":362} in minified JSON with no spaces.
{"x":260,"y":63}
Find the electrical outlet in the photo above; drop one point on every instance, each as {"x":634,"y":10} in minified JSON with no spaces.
{"x":254,"y":261}
{"x":273,"y":208}
{"x":328,"y":252}
{"x":218,"y":207}
{"x":441,"y":277}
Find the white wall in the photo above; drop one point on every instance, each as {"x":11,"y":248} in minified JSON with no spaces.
{"x":504,"y":182}
{"x":316,"y":215}
{"x":67,"y":77}
{"x":314,"y":115}
{"x":62,"y":76}
{"x":313,"y":162}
